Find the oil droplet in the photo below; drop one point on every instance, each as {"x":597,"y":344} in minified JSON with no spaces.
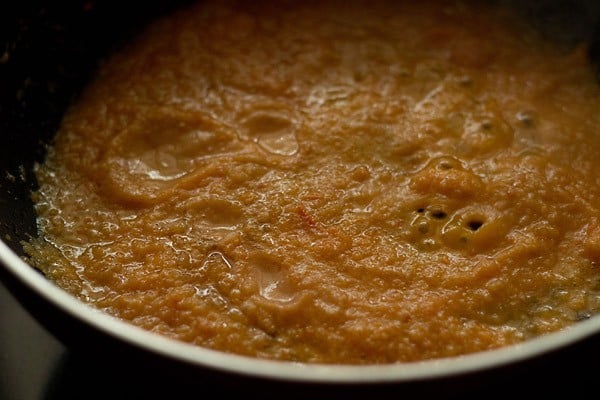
{"x":272,"y":279}
{"x":273,"y":131}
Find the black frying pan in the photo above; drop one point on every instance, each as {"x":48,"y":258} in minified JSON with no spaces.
{"x":48,"y":51}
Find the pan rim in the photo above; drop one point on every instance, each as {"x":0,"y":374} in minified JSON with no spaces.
{"x":198,"y":357}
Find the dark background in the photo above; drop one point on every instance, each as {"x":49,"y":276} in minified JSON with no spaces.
{"x":28,"y":354}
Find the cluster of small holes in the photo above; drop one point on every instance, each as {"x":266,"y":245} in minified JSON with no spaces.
{"x":430,"y":221}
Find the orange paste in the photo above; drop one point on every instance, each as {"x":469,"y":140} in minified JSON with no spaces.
{"x":331,"y":182}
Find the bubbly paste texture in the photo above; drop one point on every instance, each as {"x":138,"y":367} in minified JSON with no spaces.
{"x":331,"y":182}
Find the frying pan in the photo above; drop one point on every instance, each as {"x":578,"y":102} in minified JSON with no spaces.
{"x":48,"y":51}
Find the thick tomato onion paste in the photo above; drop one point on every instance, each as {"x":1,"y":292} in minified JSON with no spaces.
{"x":331,"y":182}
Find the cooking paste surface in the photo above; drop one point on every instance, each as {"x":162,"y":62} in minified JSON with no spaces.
{"x":331,"y":182}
